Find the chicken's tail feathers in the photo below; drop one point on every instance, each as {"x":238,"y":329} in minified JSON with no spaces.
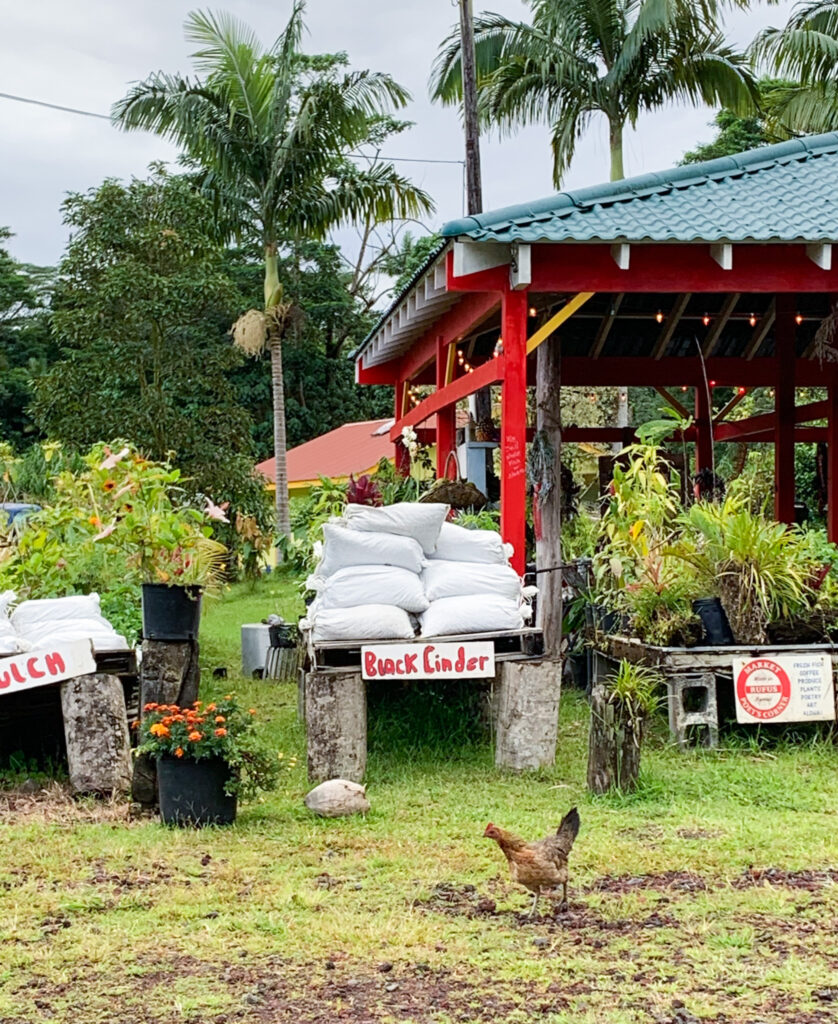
{"x":568,"y":830}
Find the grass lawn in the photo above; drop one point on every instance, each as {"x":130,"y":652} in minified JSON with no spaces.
{"x":710,"y":895}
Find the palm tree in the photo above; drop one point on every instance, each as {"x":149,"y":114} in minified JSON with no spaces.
{"x":271,"y":132}
{"x":579,"y":58}
{"x":806,"y":50}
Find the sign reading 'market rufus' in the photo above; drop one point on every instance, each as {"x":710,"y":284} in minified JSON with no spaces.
{"x":46,"y":665}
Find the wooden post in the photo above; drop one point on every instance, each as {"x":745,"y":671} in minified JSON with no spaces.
{"x":169,"y":674}
{"x":446,"y":419}
{"x":527,"y":714}
{"x":549,"y":545}
{"x":336,"y":725}
{"x":514,"y":426}
{"x":832,"y":465}
{"x":96,"y":731}
{"x":785,"y":330}
{"x":613,"y":746}
{"x":703,"y":429}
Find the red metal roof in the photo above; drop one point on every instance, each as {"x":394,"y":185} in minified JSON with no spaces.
{"x":353,"y":448}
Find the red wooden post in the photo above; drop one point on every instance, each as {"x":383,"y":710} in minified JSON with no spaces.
{"x":446,"y":419}
{"x":784,"y":358}
{"x":832,"y":465}
{"x":514,"y":425}
{"x":703,"y":429}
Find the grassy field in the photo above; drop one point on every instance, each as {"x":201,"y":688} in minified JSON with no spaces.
{"x":709,"y":895}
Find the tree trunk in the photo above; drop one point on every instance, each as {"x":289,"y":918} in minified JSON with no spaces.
{"x":283,"y":518}
{"x":474,"y":190}
{"x":527,"y":714}
{"x":335,"y":707}
{"x":613,"y":746}
{"x":96,"y":731}
{"x":622,"y":417}
{"x":549,"y":547}
{"x":615,"y":143}
{"x":169,"y":674}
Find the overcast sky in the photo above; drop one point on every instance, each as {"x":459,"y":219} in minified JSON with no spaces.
{"x":83,"y":53}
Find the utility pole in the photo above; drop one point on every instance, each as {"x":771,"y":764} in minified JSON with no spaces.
{"x":474,"y":187}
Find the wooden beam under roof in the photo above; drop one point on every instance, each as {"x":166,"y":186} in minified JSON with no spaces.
{"x":669,"y":325}
{"x":672,"y":402}
{"x":719,"y":324}
{"x":606,"y":324}
{"x":761,"y":330}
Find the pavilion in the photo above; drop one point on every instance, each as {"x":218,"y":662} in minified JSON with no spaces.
{"x":708,"y":275}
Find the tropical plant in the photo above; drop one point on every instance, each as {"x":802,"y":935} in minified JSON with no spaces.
{"x":806,"y":51}
{"x":579,"y":58}
{"x":637,"y":690}
{"x":271,"y":132}
{"x":763,"y":571}
{"x":217,"y":729}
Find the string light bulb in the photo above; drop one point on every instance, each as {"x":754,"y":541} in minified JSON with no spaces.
{"x":684,"y":387}
{"x":752,"y":320}
{"x":742,"y":391}
{"x":798,"y":319}
{"x":705,"y":320}
{"x":712,"y":383}
{"x":659,"y":317}
{"x":533,"y":311}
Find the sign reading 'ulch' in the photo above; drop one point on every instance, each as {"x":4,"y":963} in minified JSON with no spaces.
{"x":46,"y":665}
{"x":428,"y":661}
{"x":784,"y":688}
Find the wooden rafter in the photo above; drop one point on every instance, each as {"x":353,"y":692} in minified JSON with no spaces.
{"x":565,"y":313}
{"x":719,"y":324}
{"x":672,"y":402}
{"x":761,"y":329}
{"x":731,"y":405}
{"x":669,"y":325}
{"x":606,"y":324}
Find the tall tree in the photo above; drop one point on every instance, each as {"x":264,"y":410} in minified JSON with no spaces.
{"x":272,"y":132}
{"x":579,"y":58}
{"x":806,"y":51}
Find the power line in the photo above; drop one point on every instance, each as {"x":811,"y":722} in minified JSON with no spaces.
{"x":105,"y":117}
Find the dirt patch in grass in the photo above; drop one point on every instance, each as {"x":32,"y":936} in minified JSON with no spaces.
{"x":689,"y":881}
{"x":54,"y":802}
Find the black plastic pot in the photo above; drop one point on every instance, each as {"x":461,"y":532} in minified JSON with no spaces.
{"x":192,"y":792}
{"x":717,"y":631}
{"x":171,"y":613}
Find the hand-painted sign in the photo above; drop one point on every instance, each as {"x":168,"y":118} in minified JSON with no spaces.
{"x":428,"y":661}
{"x":784,"y":688}
{"x":46,"y":665}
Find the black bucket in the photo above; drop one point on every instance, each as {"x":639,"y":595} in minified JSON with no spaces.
{"x":192,"y":792}
{"x":579,"y":670}
{"x":171,"y":613}
{"x":281,"y":635}
{"x":717,"y":631}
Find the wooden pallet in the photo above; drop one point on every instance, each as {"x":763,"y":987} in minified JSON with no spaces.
{"x":345,"y":655}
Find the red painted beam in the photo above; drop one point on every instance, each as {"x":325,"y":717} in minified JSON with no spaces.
{"x":469,"y":312}
{"x":740,"y":429}
{"x":832,"y":466}
{"x":446,"y":419}
{"x":513,"y":426}
{"x":579,"y":371}
{"x":661,"y":267}
{"x":488,"y":373}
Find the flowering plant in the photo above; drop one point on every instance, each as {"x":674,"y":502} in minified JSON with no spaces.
{"x":218,"y":729}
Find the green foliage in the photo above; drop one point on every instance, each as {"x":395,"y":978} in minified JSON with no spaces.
{"x":485,"y":519}
{"x":579,"y":58}
{"x":405,"y":261}
{"x":736,"y":132}
{"x":212,"y":730}
{"x":636,"y":689}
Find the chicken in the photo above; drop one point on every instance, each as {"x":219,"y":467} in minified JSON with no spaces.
{"x":539,"y":865}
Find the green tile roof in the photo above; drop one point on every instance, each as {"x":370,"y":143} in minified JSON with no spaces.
{"x":785,"y":193}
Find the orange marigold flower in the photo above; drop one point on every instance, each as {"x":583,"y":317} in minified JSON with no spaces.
{"x":167,"y":720}
{"x":135,"y":724}
{"x":220,"y":719}
{"x":150,"y":707}
{"x":95,"y":521}
{"x":196,"y":703}
{"x":179,"y":752}
{"x":195,"y":736}
{"x":158,"y":729}
{"x":251,"y":711}
{"x":178,"y":718}
{"x":228,"y":696}
{"x":211,"y":707}
{"x":108,"y":485}
{"x":220,"y":732}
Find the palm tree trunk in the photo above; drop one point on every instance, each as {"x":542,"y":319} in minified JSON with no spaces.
{"x":615,"y":142}
{"x":283,"y":518}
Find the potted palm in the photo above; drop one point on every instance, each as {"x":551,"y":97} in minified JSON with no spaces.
{"x":208,"y":757}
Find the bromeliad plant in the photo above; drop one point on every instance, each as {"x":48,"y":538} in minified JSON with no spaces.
{"x":217,"y":729}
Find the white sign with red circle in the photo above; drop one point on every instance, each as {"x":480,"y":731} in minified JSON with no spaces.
{"x":784,"y":688}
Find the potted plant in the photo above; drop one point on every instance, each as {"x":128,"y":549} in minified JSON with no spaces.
{"x":208,"y":756}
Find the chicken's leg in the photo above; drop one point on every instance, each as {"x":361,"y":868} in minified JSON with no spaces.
{"x":534,"y":905}
{"x":563,"y":904}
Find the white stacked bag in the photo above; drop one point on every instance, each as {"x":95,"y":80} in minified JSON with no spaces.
{"x":381,"y":566}
{"x":56,"y":620}
{"x":471,"y":586}
{"x":368,"y":581}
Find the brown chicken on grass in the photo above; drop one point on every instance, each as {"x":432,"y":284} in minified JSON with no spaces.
{"x":540,"y":865}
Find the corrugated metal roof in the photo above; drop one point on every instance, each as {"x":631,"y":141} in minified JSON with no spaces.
{"x":780,"y":193}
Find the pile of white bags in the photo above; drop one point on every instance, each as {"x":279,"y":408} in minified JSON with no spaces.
{"x":386,"y":573}
{"x":8,"y":638}
{"x":61,"y":619}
